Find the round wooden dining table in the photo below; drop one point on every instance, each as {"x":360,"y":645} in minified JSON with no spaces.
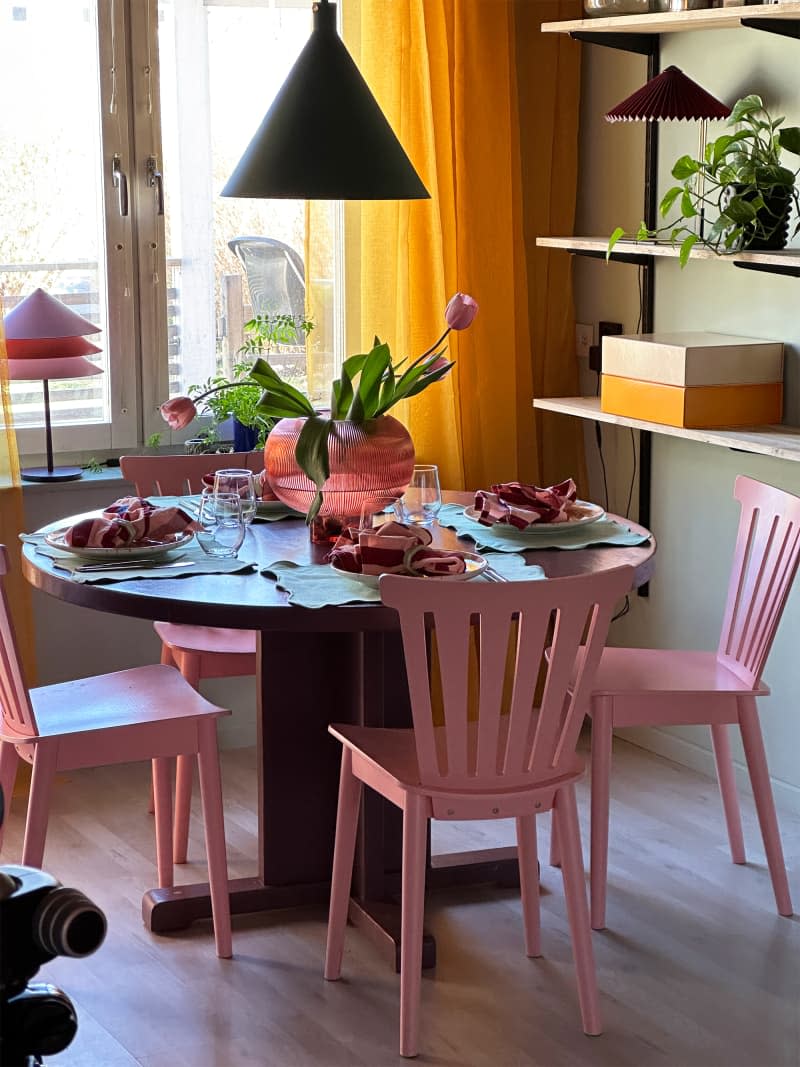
{"x":315,"y":666}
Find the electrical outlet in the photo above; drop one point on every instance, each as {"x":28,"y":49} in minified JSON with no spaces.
{"x":584,"y":335}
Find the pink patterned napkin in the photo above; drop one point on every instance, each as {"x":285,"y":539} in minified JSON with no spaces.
{"x":522,"y":506}
{"x":393,"y":548}
{"x":128,"y":521}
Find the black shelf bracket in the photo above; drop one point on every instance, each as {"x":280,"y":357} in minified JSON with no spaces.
{"x":644,"y":44}
{"x":784,"y":27}
{"x":786,"y":269}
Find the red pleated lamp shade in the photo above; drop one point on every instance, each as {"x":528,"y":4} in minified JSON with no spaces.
{"x":32,"y":370}
{"x":670,"y":95}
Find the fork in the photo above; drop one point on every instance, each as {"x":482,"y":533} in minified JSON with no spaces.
{"x":494,"y":576}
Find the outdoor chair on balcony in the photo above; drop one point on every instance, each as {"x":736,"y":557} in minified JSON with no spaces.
{"x":275,"y":276}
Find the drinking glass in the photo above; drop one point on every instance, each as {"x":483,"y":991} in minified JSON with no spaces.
{"x":422,"y":499}
{"x":241,"y":481}
{"x":222,"y":525}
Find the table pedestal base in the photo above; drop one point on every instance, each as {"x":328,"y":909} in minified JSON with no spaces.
{"x":297,"y":794}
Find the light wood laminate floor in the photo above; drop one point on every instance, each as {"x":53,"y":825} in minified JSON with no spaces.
{"x":695,"y":970}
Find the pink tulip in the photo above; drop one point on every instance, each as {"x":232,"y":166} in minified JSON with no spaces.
{"x":437,"y":364}
{"x":178,"y":412}
{"x":460,"y":312}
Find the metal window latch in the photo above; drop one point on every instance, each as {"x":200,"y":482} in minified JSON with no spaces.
{"x":155,"y":180}
{"x":119,"y":179}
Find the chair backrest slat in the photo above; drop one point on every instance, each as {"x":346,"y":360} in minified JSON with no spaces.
{"x":765,"y":562}
{"x":495,"y":630}
{"x":497,"y":746}
{"x":17,"y":713}
{"x":182,"y":475}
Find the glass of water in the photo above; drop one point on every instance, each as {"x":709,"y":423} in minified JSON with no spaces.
{"x":238,"y":480}
{"x":222,"y":524}
{"x":422,"y":499}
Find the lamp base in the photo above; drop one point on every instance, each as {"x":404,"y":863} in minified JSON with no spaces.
{"x":57,"y":474}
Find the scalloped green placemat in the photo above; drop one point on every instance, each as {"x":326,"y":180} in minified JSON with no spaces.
{"x":318,"y":585}
{"x":509,"y":539}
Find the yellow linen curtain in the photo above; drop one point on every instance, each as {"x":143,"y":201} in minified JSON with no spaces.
{"x":12,"y":521}
{"x":486,"y":108}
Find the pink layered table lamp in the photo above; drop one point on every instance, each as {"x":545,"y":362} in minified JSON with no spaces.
{"x":47,"y":341}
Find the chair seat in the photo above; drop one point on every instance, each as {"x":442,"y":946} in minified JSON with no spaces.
{"x":395,"y":753}
{"x":665,"y":671}
{"x":207,"y":638}
{"x":124,"y":698}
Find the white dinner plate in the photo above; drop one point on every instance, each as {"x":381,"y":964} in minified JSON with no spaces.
{"x":584,"y":513}
{"x":476,"y":565}
{"x":140,"y":550}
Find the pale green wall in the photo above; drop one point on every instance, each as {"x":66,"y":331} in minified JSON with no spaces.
{"x":693,"y":514}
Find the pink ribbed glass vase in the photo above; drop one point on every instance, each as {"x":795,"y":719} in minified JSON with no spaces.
{"x":368,"y":460}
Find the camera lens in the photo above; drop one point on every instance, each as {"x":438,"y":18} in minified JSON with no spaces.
{"x":67,"y":923}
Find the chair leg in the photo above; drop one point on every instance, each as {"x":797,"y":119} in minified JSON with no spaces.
{"x":765,"y":804}
{"x":214,"y":824}
{"x":168,"y":660}
{"x":9,"y":760}
{"x":44,"y":769}
{"x":566,"y":813}
{"x":184,"y":773}
{"x":189,"y":666}
{"x":602,"y":738}
{"x":415,"y":840}
{"x":555,"y":855}
{"x":527,"y":855}
{"x":162,"y":788}
{"x":721,"y":742}
{"x":350,"y":789}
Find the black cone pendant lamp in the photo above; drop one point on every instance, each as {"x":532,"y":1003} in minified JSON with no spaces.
{"x":325,"y":138}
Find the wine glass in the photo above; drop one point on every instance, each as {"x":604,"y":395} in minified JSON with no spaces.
{"x":422,"y":499}
{"x":222,"y":526}
{"x":241,"y":481}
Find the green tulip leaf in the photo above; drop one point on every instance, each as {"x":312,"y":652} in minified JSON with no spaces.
{"x":311,"y":453}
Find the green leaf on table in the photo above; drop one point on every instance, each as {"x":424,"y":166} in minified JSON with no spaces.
{"x":688,"y":210}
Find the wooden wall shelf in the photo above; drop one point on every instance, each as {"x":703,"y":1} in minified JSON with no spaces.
{"x":785,"y":261}
{"x":780,"y":442}
{"x":719,"y":18}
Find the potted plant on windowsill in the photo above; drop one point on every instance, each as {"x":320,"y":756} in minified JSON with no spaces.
{"x":741,"y":180}
{"x":328,"y":462}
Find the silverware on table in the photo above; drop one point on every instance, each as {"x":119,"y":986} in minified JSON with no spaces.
{"x":491,"y":575}
{"x":144,"y":564}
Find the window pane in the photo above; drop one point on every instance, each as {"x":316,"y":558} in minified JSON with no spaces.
{"x":220,"y":67}
{"x":51,"y":234}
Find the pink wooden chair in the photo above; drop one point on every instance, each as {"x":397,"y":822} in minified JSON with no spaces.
{"x":144,"y":713}
{"x":649,"y":687}
{"x":197,"y":651}
{"x":503,"y":765}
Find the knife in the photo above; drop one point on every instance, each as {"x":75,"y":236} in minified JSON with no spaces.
{"x":148,"y":564}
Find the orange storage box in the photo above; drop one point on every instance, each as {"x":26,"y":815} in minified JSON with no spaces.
{"x":695,"y":407}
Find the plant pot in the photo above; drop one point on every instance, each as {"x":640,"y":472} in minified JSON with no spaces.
{"x":244,"y":437}
{"x":770,"y":230}
{"x":369,"y":460}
